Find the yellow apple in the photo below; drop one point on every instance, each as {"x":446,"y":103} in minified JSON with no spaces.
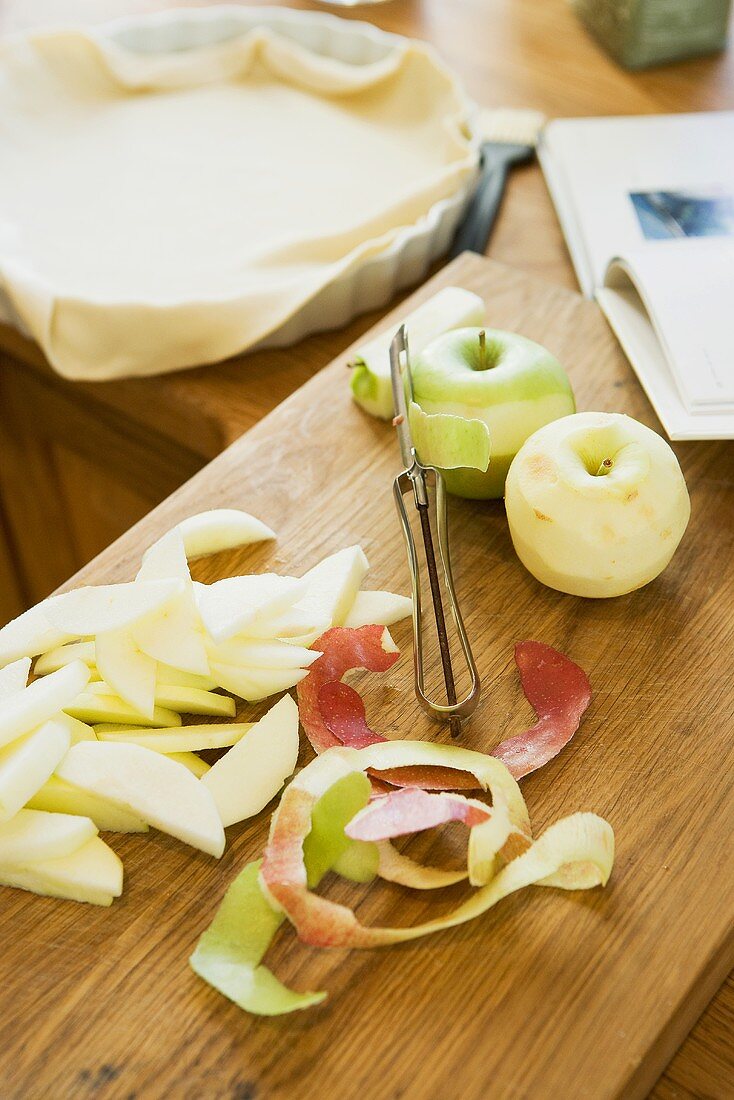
{"x":596,"y":504}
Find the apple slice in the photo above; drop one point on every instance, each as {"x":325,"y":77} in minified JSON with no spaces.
{"x":332,"y":585}
{"x":55,"y":659}
{"x":93,"y":708}
{"x":176,"y":677}
{"x":165,"y":559}
{"x":190,"y":760}
{"x":78,"y":731}
{"x":93,"y":873}
{"x":220,"y":529}
{"x":173,"y":634}
{"x":30,"y":634}
{"x":97,"y":608}
{"x":275,"y":654}
{"x":257,"y":683}
{"x":245,"y":779}
{"x":378,"y":608}
{"x":180,"y":699}
{"x":130,"y":673}
{"x":298,"y":626}
{"x":41,"y":700}
{"x":59,"y":797}
{"x":229,"y":606}
{"x":179,"y":739}
{"x":14,"y":677}
{"x":150,"y":785}
{"x":27,"y":763}
{"x":453,"y":307}
{"x":195,"y":701}
{"x":34,"y":835}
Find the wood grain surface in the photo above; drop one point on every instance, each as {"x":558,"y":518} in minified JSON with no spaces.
{"x":550,"y":995}
{"x":510,"y":53}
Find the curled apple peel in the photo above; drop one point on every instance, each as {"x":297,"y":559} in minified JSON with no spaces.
{"x":332,"y":713}
{"x":574,"y":853}
{"x":559,"y":692}
{"x":229,"y":953}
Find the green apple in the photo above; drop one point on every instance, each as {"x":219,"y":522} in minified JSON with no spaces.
{"x":510,"y":384}
{"x":597,"y":504}
{"x":453,"y":307}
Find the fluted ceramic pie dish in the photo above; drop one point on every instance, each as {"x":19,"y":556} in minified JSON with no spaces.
{"x":180,"y":187}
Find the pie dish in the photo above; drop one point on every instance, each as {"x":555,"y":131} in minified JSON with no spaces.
{"x":181,"y":187}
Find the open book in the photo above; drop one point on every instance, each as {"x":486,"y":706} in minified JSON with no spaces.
{"x":647,"y":208}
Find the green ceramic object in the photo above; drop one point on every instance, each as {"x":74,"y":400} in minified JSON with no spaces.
{"x":641,"y":33}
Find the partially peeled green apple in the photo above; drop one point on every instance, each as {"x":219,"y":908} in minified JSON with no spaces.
{"x":596,"y":504}
{"x":483,"y":377}
{"x":453,"y":307}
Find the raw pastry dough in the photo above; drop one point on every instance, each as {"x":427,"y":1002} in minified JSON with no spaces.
{"x":158,"y":211}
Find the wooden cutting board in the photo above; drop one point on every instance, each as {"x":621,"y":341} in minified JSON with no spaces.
{"x":550,"y":994}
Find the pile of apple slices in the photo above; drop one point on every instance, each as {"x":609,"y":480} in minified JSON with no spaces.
{"x":96,"y":741}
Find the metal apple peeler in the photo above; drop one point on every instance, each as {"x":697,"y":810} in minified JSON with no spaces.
{"x":415,"y":479}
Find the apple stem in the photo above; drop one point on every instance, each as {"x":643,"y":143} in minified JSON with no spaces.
{"x":605,"y":467}
{"x":482,"y":350}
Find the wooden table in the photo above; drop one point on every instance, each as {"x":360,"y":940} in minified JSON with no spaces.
{"x":584,"y":996}
{"x":80,"y":463}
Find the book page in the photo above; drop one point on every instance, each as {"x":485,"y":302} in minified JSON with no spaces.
{"x":630,"y":320}
{"x":639,"y":184}
{"x":688,"y":291}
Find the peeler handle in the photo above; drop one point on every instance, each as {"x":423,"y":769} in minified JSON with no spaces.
{"x":454,"y":710}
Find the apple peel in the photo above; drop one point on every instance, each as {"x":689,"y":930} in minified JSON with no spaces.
{"x":342,"y":649}
{"x":333,"y":713}
{"x":576,"y":852}
{"x":229,"y":953}
{"x":559,"y":693}
{"x":448,"y":441}
{"x":411,"y":810}
{"x":344,"y":717}
{"x":395,"y":866}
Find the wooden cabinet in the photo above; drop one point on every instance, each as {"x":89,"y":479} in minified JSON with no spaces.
{"x":73,"y":476}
